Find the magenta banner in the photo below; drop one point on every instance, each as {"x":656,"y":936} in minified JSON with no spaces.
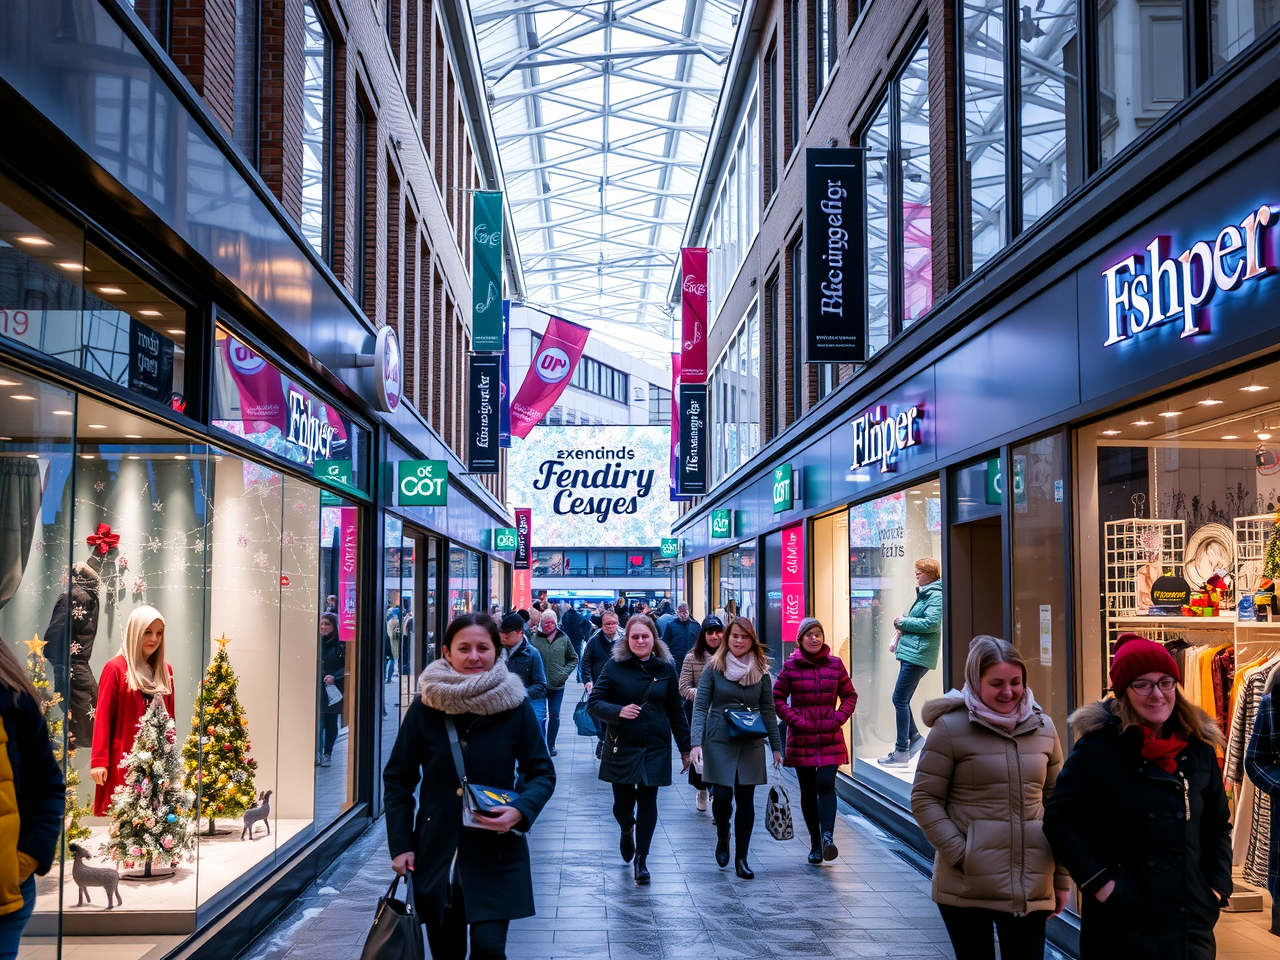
{"x":793,"y":592}
{"x":348,"y":560}
{"x":675,"y":426}
{"x":259,"y":384}
{"x":693,"y":315}
{"x":548,"y":375}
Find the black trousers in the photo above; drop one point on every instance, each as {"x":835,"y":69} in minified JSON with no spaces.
{"x":637,"y":805}
{"x":448,"y":940}
{"x":328,"y":731}
{"x":1021,"y":938}
{"x":722,"y":803}
{"x":818,"y":800}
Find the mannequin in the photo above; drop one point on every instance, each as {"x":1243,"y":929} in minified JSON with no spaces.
{"x":72,"y":631}
{"x":129,"y":682}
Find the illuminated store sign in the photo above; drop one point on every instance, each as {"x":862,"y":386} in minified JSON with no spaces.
{"x":1145,"y":291}
{"x":422,"y":483}
{"x":879,"y":437}
{"x":307,"y":430}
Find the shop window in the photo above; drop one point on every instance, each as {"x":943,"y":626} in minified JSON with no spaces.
{"x":464,"y":582}
{"x":886,"y":538}
{"x":1141,"y":68}
{"x":697,"y":587}
{"x":400,"y":661}
{"x":317,"y":132}
{"x":735,"y":400}
{"x":1236,"y":24}
{"x":823,"y":46}
{"x":245,"y":93}
{"x":831,"y":585}
{"x":734,"y":582}
{"x":155,"y":16}
{"x":575,"y":563}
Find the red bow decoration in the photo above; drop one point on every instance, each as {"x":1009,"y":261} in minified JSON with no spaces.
{"x":104,"y":539}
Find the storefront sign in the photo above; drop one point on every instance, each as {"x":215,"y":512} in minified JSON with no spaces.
{"x":504,"y":380}
{"x":524,"y":537}
{"x":486,"y":271}
{"x":878,"y":436}
{"x":835,"y":315}
{"x":505,"y":538}
{"x":150,"y":362}
{"x":721,"y":524}
{"x":995,"y":481}
{"x":482,"y":412}
{"x":793,"y":589}
{"x":670,"y":548}
{"x":340,"y":472}
{"x":308,"y":428}
{"x":1145,"y":291}
{"x":782,"y":488}
{"x":422,"y":483}
{"x":348,"y":568}
{"x":692,"y":476}
{"x":558,"y":353}
{"x":389,"y":364}
{"x":675,"y":427}
{"x":693,"y":314}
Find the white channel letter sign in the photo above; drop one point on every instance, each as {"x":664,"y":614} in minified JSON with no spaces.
{"x":878,"y":437}
{"x":1145,"y":291}
{"x":307,"y":429}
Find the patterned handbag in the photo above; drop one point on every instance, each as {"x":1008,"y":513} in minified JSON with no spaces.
{"x":777,"y":813}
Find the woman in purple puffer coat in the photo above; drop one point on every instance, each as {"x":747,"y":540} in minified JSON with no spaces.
{"x":815,"y":698}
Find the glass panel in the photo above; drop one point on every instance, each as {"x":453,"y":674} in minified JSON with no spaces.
{"x":1140,"y":68}
{"x":246,"y":79}
{"x":831,"y":586}
{"x":1050,"y":131}
{"x":1235,"y":24}
{"x":316,"y":125}
{"x":431,"y":612}
{"x":878,"y":188}
{"x":337,"y":667}
{"x":464,"y":581}
{"x":984,"y":118}
{"x":154,"y":15}
{"x":917,"y":227}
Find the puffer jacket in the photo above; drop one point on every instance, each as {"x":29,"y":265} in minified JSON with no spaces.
{"x":815,"y":698}
{"x":32,"y":796}
{"x":689,"y":675}
{"x":979,"y":797}
{"x":921,"y":628}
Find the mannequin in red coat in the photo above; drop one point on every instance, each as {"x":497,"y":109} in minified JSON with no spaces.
{"x":128,"y":683}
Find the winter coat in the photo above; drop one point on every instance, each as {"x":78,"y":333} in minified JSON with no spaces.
{"x":1165,"y":839}
{"x":1262,"y":766}
{"x":559,"y":657}
{"x":680,"y":636}
{"x":979,"y":797}
{"x":726,"y":759}
{"x":690,"y":674}
{"x":333,"y":662}
{"x":576,"y":627}
{"x":815,"y":698}
{"x":921,"y":628}
{"x":638,"y":751}
{"x":493,"y":868}
{"x":526,"y":663}
{"x":73,"y":627}
{"x":32,"y":796}
{"x":115,"y":726}
{"x":598,"y":652}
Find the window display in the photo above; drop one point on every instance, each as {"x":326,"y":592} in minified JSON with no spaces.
{"x":464,"y":581}
{"x":734,"y":581}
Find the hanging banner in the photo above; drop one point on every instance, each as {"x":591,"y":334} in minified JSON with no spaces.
{"x":793,"y":592}
{"x":548,"y":375}
{"x":348,"y":566}
{"x":835,"y":314}
{"x":486,"y":271}
{"x":693,"y":314}
{"x":521,"y":590}
{"x":524,"y":534}
{"x":691,"y":479}
{"x":504,"y":382}
{"x":482,"y":412}
{"x":150,"y":362}
{"x":675,"y":426}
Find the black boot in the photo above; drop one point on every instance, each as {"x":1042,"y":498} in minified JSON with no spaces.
{"x":829,"y":851}
{"x":642,"y":872}
{"x":722,"y":844}
{"x":627,"y":845}
{"x":815,"y":852}
{"x":742,"y":868}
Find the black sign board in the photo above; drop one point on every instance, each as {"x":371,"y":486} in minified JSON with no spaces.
{"x":483,"y":381}
{"x":835,"y":314}
{"x":692,"y":476}
{"x":150,"y":362}
{"x":1170,"y":594}
{"x":524,"y":533}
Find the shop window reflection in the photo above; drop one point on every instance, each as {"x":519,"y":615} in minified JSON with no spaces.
{"x":464,"y":581}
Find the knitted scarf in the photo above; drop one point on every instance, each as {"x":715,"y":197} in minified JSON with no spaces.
{"x":745,"y":672}
{"x":1008,"y":722}
{"x":1162,"y":751}
{"x":447,"y":690}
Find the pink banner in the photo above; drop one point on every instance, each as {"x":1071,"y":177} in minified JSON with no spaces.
{"x":521,"y":590}
{"x":675,"y":422}
{"x":693,"y":315}
{"x":548,"y":375}
{"x":348,"y":572}
{"x":258,"y":382}
{"x":793,"y":592}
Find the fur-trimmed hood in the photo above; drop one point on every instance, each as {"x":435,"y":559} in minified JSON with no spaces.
{"x":620,"y":651}
{"x":494,"y":691}
{"x":935,"y":709}
{"x":1099,"y":715}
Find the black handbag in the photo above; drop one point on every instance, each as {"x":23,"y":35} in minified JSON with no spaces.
{"x":583,"y":720}
{"x":745,"y":724}
{"x":477,"y":800}
{"x":396,"y":933}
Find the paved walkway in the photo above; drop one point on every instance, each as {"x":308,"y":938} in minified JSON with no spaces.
{"x":868,"y":903}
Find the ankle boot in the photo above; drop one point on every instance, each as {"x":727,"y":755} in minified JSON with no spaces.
{"x":642,"y":872}
{"x":627,"y":844}
{"x":742,"y":868}
{"x":722,"y":844}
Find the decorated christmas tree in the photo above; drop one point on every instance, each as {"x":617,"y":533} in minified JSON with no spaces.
{"x":1271,"y":556}
{"x":216,"y":754}
{"x":150,"y":813}
{"x":38,"y":671}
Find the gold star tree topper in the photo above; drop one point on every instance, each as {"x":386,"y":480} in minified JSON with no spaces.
{"x":35,"y":645}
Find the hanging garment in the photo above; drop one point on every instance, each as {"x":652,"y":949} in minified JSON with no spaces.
{"x":1255,"y":837}
{"x":1224,"y":671}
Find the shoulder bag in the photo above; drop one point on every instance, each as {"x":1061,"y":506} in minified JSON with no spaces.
{"x":745,"y":723}
{"x":582,"y":718}
{"x":396,"y":933}
{"x":477,"y":801}
{"x":777,"y":813}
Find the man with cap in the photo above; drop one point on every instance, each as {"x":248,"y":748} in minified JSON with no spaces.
{"x":680,"y":634}
{"x":525,"y":662}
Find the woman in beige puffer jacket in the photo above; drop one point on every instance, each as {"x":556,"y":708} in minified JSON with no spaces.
{"x":989,"y":763}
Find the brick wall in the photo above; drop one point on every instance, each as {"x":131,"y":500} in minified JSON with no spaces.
{"x":280,"y":102}
{"x":203,"y":46}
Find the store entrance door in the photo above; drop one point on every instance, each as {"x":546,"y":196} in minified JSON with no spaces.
{"x":977,"y":578}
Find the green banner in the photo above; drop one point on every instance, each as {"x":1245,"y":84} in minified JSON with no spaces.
{"x":504,"y":538}
{"x":670,"y":548}
{"x":782,"y":494}
{"x":721,"y":524}
{"x":486,"y":272}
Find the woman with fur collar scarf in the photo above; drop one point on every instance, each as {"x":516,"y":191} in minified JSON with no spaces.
{"x":498,"y":733}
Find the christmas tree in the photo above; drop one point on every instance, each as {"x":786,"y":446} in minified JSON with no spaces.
{"x":216,"y":754}
{"x":150,"y":813}
{"x":1271,"y":556}
{"x":38,"y":671}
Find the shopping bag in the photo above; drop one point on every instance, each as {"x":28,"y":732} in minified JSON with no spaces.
{"x":583,"y":720}
{"x":777,"y":813}
{"x":396,"y":933}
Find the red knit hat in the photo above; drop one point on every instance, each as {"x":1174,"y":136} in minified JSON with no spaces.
{"x":1136,"y":655}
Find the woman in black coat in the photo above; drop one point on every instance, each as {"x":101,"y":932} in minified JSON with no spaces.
{"x":638,"y":696}
{"x":1139,"y":815}
{"x":497,"y":732}
{"x":333,"y":673}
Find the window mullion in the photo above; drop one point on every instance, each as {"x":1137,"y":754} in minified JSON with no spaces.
{"x":1013,"y":119}
{"x":897,"y":295}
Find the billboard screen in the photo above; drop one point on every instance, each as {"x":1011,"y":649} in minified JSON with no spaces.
{"x":589,"y":486}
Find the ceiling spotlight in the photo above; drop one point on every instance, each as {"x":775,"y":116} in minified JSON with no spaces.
{"x":1111,"y":433}
{"x":35,"y":241}
{"x":10,"y":383}
{"x":175,"y":332}
{"x":150,"y":313}
{"x":133,"y":436}
{"x":20,"y":396}
{"x":1230,"y":436}
{"x":1170,"y":413}
{"x":134,"y":456}
{"x":1208,"y":402}
{"x":86,"y":456}
{"x":1263,"y":436}
{"x":97,"y":426}
{"x":33,"y":456}
{"x":62,"y":413}
{"x":114,"y":291}
{"x":179,"y":457}
{"x":1144,"y":422}
{"x":1252,"y":387}
{"x":70,"y":265}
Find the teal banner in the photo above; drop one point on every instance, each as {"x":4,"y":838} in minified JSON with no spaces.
{"x":486,"y":272}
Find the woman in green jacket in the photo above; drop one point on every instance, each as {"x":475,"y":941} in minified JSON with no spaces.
{"x":916,"y":649}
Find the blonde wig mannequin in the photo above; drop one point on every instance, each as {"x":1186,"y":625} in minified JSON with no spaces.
{"x":157,"y":683}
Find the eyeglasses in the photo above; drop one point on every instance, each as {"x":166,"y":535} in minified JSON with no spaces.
{"x":1143,"y":688}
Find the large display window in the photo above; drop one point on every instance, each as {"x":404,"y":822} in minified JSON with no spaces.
{"x":733,"y":578}
{"x":464,"y":582}
{"x":113,"y":520}
{"x":887,"y":536}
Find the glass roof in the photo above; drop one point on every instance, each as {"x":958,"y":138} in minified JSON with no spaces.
{"x":602,"y":113}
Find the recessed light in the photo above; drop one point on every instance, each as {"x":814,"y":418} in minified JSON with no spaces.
{"x":1253,"y":387}
{"x":1144,"y":422}
{"x":97,"y":426}
{"x":35,"y":241}
{"x":133,"y":436}
{"x":1231,"y":436}
{"x":33,"y":456}
{"x":179,"y":457}
{"x":20,"y":396}
{"x":134,"y":456}
{"x":10,"y":383}
{"x":70,"y":265}
{"x":86,"y":456}
{"x":62,"y":413}
{"x":115,"y":291}
{"x":1170,"y":413}
{"x":917,"y":501}
{"x":150,"y":313}
{"x":6,"y":438}
{"x":915,"y":492}
{"x":1208,"y":402}
{"x":175,"y":332}
{"x":1111,"y":433}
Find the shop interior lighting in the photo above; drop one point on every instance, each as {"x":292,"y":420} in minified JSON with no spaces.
{"x":134,"y":456}
{"x":150,"y":313}
{"x":113,"y":291}
{"x":10,"y":383}
{"x":1144,"y":422}
{"x":1170,"y":413}
{"x":1263,"y":436}
{"x":86,"y":456}
{"x":1208,"y":402}
{"x":62,"y":413}
{"x":175,"y":332}
{"x":180,"y":457}
{"x":33,"y":456}
{"x":1111,"y":433}
{"x":6,"y":438}
{"x":1231,"y":436}
{"x":97,"y":426}
{"x":35,"y":241}
{"x":133,"y":436}
{"x":70,"y":265}
{"x":1252,"y":387}
{"x":20,"y":396}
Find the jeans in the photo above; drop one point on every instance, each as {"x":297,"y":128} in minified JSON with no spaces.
{"x":722,"y":801}
{"x":1021,"y":938}
{"x":12,"y":924}
{"x":909,"y":677}
{"x":635,"y":805}
{"x":818,"y":800}
{"x":552,"y":727}
{"x":540,"y":711}
{"x":448,"y":940}
{"x":329,"y":732}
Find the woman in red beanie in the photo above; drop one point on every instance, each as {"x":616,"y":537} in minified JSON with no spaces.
{"x":1139,"y":815}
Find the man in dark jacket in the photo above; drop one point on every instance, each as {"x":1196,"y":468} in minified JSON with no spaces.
{"x":576,"y":627}
{"x":680,"y":635}
{"x":525,"y":662}
{"x":598,"y":652}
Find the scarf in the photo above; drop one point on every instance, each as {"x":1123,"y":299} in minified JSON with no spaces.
{"x":745,"y":672}
{"x":494,"y":691}
{"x":1162,"y":751}
{"x":1008,"y":722}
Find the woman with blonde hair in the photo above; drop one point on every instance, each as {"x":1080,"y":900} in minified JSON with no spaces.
{"x":129,"y":682}
{"x":989,"y":762}
{"x":735,"y":686}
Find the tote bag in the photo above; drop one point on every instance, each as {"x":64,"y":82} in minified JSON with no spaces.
{"x":583,"y":720}
{"x":396,"y":933}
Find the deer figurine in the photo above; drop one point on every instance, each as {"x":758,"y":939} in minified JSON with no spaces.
{"x":259,"y":811}
{"x":86,"y":876}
